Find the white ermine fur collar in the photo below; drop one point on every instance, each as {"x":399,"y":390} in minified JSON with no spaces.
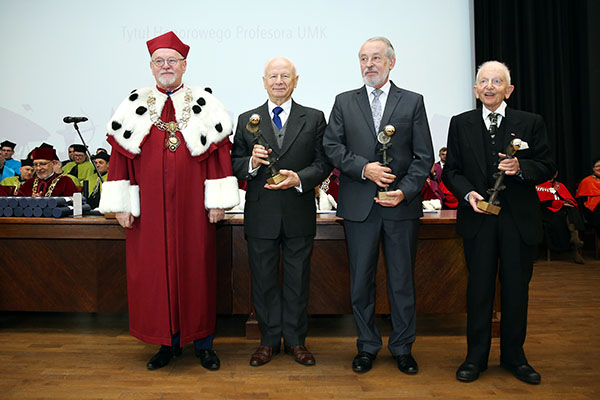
{"x":209,"y":120}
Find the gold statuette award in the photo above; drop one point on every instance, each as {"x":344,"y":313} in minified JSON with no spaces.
{"x":253,"y":126}
{"x":385,"y":138}
{"x":492,"y":205}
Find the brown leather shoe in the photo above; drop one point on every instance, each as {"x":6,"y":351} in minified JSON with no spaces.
{"x":301,"y":354}
{"x":263,"y":355}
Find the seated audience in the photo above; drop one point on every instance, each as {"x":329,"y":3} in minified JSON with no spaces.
{"x":431,"y":188}
{"x":5,"y":171}
{"x":46,"y":182}
{"x":326,"y":193}
{"x":438,"y":167}
{"x":589,"y":192}
{"x":81,"y":167}
{"x":449,"y":202}
{"x":15,"y":182}
{"x":561,"y":218}
{"x":8,"y":150}
{"x":101,"y":160}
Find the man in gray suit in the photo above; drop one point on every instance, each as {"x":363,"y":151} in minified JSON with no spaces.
{"x":281,"y":217}
{"x":351,"y":144}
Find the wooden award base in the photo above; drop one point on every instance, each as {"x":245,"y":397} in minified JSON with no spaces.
{"x":384,"y":196}
{"x":491,"y":208}
{"x":274,"y":180}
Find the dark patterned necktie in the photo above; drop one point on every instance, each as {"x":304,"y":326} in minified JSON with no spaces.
{"x":493,"y":124}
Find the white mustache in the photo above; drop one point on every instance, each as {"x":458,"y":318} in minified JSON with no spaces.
{"x":369,"y":69}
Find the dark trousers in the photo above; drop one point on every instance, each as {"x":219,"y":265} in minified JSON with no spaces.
{"x":497,"y":239}
{"x":281,"y":309}
{"x":399,"y":247}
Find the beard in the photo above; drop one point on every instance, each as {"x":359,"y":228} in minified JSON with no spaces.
{"x":375,"y":80}
{"x":167,"y":80}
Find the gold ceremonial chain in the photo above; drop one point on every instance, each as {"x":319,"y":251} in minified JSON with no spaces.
{"x":17,"y":187}
{"x":50,"y":188}
{"x":172,"y":142}
{"x":325,"y":184}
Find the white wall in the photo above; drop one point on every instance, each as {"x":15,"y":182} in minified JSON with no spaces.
{"x":82,"y":58}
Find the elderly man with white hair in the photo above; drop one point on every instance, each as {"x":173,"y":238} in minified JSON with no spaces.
{"x":498,"y":240}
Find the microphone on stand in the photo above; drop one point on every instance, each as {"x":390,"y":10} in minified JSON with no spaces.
{"x":69,"y":120}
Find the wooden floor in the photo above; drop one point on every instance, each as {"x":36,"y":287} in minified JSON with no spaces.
{"x":92,"y":356}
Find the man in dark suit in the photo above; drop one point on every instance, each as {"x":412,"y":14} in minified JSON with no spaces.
{"x":477,"y":141}
{"x":351,"y":144}
{"x":281,"y":217}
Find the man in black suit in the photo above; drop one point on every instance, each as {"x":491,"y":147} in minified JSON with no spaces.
{"x":351,"y":144}
{"x":281,"y":217}
{"x":477,"y":141}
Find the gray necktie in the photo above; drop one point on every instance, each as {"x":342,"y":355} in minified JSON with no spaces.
{"x":493,"y":124}
{"x":376,"y":108}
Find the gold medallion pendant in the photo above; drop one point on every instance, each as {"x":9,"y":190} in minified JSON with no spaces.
{"x":172,"y":142}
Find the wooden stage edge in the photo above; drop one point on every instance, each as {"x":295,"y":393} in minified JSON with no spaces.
{"x":78,"y":265}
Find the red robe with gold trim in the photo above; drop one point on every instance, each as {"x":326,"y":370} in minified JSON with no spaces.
{"x":555,"y":193}
{"x":171,"y":248}
{"x":64,"y":186}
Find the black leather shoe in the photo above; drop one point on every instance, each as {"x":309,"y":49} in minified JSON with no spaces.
{"x":208,"y":359}
{"x":468,"y":372}
{"x":524,"y":372}
{"x":162,"y":358}
{"x":407,"y":364}
{"x":363,"y":362}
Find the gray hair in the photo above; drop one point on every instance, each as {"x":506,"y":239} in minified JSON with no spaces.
{"x":498,"y":63}
{"x":389,"y":49}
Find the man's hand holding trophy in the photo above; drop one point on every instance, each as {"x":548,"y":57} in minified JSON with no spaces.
{"x":262,"y":152}
{"x":492,"y":206}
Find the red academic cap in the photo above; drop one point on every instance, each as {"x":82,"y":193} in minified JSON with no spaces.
{"x":168,"y":40}
{"x":44,"y":154}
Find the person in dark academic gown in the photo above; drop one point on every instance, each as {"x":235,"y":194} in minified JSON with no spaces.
{"x":81,"y":167}
{"x":169,"y":181}
{"x":45,"y":182}
{"x":14,"y":182}
{"x":101,"y":160}
{"x":8,"y":149}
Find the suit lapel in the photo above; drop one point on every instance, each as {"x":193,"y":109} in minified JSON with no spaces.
{"x":294,"y":125}
{"x":365,"y":108}
{"x":266,"y":128}
{"x":474,"y":128}
{"x":511,"y":129}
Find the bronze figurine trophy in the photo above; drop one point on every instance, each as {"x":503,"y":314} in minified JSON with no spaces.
{"x":253,"y":126}
{"x":385,"y":137}
{"x":491,"y":205}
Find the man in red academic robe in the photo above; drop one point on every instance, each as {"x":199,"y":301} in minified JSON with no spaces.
{"x":561,"y":217}
{"x":46,"y":183}
{"x":170,"y":180}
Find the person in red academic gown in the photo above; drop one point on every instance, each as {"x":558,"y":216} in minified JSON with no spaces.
{"x":561,"y":217}
{"x":46,"y":182}
{"x":170,"y":180}
{"x":589,"y":192}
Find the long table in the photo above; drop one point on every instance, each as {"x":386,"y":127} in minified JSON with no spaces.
{"x":78,"y":265}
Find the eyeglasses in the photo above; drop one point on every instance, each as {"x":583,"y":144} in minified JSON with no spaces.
{"x":41,"y":164}
{"x":159,"y":62}
{"x":495,"y":82}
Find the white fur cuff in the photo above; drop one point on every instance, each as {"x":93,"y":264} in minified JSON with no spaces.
{"x":120,"y":196}
{"x":134,"y":200}
{"x":221,"y":193}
